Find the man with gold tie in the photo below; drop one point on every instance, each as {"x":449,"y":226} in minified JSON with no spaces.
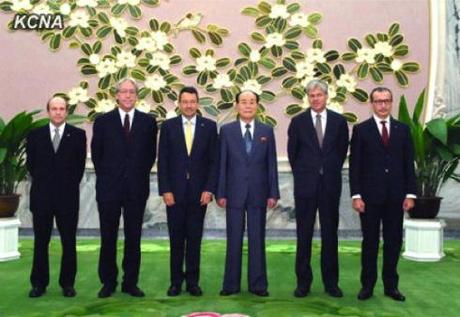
{"x":187,"y":173}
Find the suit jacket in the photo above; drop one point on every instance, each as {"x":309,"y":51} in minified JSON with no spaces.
{"x":176,"y":168}
{"x":56,"y":176}
{"x":307,"y":159}
{"x":371,"y":163}
{"x":122,"y":164}
{"x":244,"y":178}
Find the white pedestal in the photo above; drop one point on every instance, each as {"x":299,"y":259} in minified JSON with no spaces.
{"x":9,"y":228}
{"x":424,"y":239}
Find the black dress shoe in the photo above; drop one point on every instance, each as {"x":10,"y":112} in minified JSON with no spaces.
{"x":334,"y":291}
{"x":194,"y":290}
{"x":173,"y":290}
{"x":395,"y":294}
{"x":37,"y":291}
{"x":106,"y":291}
{"x":301,"y":292}
{"x":261,"y":293}
{"x":225,"y":292}
{"x":133,"y":291}
{"x":365,"y":293}
{"x":69,"y":291}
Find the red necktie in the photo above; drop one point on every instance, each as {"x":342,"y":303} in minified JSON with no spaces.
{"x":385,"y":138}
{"x":126,"y":126}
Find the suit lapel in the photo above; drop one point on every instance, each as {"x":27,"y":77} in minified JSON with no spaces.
{"x":375,"y":131}
{"x":197,"y":136}
{"x":45,"y":135}
{"x":256,"y":138}
{"x":239,"y":136}
{"x":179,"y":126}
{"x":311,"y":131}
{"x":330,"y":126}
{"x":64,"y":139}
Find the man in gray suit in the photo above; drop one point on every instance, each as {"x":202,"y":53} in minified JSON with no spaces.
{"x":248,"y":182}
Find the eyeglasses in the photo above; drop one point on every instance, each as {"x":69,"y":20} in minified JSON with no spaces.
{"x":127,"y":91}
{"x":382,"y":101}
{"x":190,"y":102}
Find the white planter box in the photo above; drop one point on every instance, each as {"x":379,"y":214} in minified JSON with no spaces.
{"x":9,"y":239}
{"x":424,"y":239}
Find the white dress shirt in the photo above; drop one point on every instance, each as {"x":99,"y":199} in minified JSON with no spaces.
{"x":53,"y":130}
{"x":243,"y":128}
{"x":378,"y":121}
{"x":323,"y":115}
{"x":123,"y":114}
{"x":192,"y":122}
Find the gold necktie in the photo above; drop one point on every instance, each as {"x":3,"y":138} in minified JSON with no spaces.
{"x":188,"y":136}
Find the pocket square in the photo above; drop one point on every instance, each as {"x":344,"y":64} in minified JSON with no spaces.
{"x":263,"y":139}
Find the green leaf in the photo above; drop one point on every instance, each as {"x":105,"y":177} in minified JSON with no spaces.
{"x":394,"y":29}
{"x":291,"y":45}
{"x":157,"y":96}
{"x":244,"y":49}
{"x":263,"y":21}
{"x":97,"y":46}
{"x":104,"y":82}
{"x":280,"y":24}
{"x":276,"y":51}
{"x":215,"y":38}
{"x":267,"y":96}
{"x":411,"y":67}
{"x":88,"y":70}
{"x":288,"y":82}
{"x":297,"y":55}
{"x":349,"y":56}
{"x":292,"y":33}
{"x":245,"y":73}
{"x":206,"y":101}
{"x":264,"y":7}
{"x":290,"y":64}
{"x":154,"y":25}
{"x":150,"y":2}
{"x":263,"y":79}
{"x":251,"y":11}
{"x":338,"y":70}
{"x":401,"y":50}
{"x":138,"y":74}
{"x":202,"y":78}
{"x":293,"y":109}
{"x":279,"y":71}
{"x":189,"y":70}
{"x":144,"y":92}
{"x":376,"y":74}
{"x":438,"y":129}
{"x":176,"y":59}
{"x":315,"y":17}
{"x":103,"y":31}
{"x":298,"y":92}
{"x":118,"y":9}
{"x":354,"y":44}
{"x":226,"y":95}
{"x":371,"y":40}
{"x":317,"y":44}
{"x":396,"y":40}
{"x":69,"y":31}
{"x":384,"y":67}
{"x":293,"y":8}
{"x":87,"y":32}
{"x":55,"y":41}
{"x":165,"y":27}
{"x":194,"y":52}
{"x":360,"y":95}
{"x":363,"y":69}
{"x":268,"y":62}
{"x":401,"y":78}
{"x":103,"y":18}
{"x":258,"y":37}
{"x":350,"y":117}
{"x":331,"y":56}
{"x":132,"y":31}
{"x":311,"y":31}
{"x":199,"y":36}
{"x":240,"y":61}
{"x":222,"y":62}
{"x":323,"y":68}
{"x":419,"y":107}
{"x":211,"y":110}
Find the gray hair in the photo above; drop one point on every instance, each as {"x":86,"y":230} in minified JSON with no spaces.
{"x":317,"y":84}
{"x":122,"y":81}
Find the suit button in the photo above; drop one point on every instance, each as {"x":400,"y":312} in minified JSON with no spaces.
{"x":386,"y":170}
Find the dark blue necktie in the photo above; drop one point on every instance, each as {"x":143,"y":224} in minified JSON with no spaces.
{"x":248,"y":139}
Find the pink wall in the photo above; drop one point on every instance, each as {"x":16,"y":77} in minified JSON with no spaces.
{"x":30,"y":73}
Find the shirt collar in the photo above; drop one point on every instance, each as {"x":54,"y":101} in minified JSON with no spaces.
{"x":379,"y":120}
{"x":123,"y":113}
{"x":60,"y":128}
{"x":192,"y":120}
{"x":243,"y":124}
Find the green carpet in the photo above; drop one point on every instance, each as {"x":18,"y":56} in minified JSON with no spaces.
{"x":432,"y":289}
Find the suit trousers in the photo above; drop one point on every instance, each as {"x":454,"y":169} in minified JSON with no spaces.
{"x":185,"y":226}
{"x":328,"y":209}
{"x":390,"y":215}
{"x":66,"y":224}
{"x":257,"y":267}
{"x":109,"y":216}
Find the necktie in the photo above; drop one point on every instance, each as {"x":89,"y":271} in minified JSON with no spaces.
{"x":56,"y":139}
{"x":385,"y":138}
{"x":248,"y":139}
{"x":126,"y":126}
{"x":319,"y":130}
{"x":188,"y":136}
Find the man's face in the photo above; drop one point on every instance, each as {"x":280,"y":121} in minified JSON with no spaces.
{"x":126,"y":96}
{"x":382,"y":103}
{"x":317,"y":99}
{"x":188,"y":105}
{"x":247,"y":106}
{"x":57,"y":111}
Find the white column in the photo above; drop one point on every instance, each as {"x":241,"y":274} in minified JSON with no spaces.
{"x":424,"y":239}
{"x":9,"y":228}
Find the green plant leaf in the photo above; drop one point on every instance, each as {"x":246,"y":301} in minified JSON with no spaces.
{"x":315,"y":17}
{"x":371,"y":40}
{"x":215,"y":38}
{"x":396,"y":40}
{"x":411,"y":67}
{"x":195,"y":53}
{"x":290,"y":64}
{"x":244,"y":49}
{"x":331,"y":55}
{"x":251,"y":11}
{"x":257,"y":37}
{"x":317,"y":44}
{"x":222,"y":62}
{"x":394,"y":29}
{"x":401,"y":50}
{"x":154,"y":25}
{"x":349,"y":56}
{"x":323,"y":68}
{"x":103,"y":31}
{"x":165,"y":27}
{"x":211,"y":110}
{"x":438,"y":129}
{"x":360,"y":95}
{"x":279,"y":71}
{"x":298,"y":92}
{"x":268,"y":62}
{"x":376,"y":74}
{"x":103,"y":18}
{"x":363,"y":69}
{"x":338,"y":70}
{"x":291,"y":45}
{"x":293,"y":33}
{"x":226,"y":95}
{"x":104,"y":82}
{"x":384,"y":67}
{"x":138,"y":74}
{"x":350,"y":117}
{"x":401,"y":78}
{"x":69,"y":31}
{"x":264,"y":7}
{"x":293,"y":109}
{"x":202,"y":78}
{"x":288,"y":82}
{"x":55,"y":41}
{"x":267,"y":96}
{"x":263,"y":21}
{"x":311,"y":31}
{"x":276,"y":51}
{"x":354,"y":44}
{"x":88,"y":70}
{"x":418,"y":109}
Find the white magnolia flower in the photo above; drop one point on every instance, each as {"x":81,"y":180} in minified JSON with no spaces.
{"x":384,"y":48}
{"x":42,"y":8}
{"x":161,"y":38}
{"x":79,"y":18}
{"x":125,"y":58}
{"x":274,"y":39}
{"x":222,"y":81}
{"x":155,"y":82}
{"x":365,"y":55}
{"x":396,"y":64}
{"x":143,"y":106}
{"x":147,"y":43}
{"x":77,"y":95}
{"x":106,"y":67}
{"x":300,"y":19}
{"x":254,"y":56}
{"x":94,"y":59}
{"x":305,"y":102}
{"x":206,"y":62}
{"x":65,"y":9}
{"x":315,"y":55}
{"x":335,"y":106}
{"x":347,"y":81}
{"x":131,"y":2}
{"x":120,"y":25}
{"x":331,"y":92}
{"x":104,"y":105}
{"x":279,"y":10}
{"x":306,"y":80}
{"x":252,"y":85}
{"x":171,"y":114}
{"x":160,"y":59}
{"x":18,"y":5}
{"x":304,"y":69}
{"x":87,"y":3}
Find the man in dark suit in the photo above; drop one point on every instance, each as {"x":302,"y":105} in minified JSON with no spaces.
{"x":187,"y":175}
{"x":382,"y":184}
{"x":248,"y":182}
{"x":123,"y":150}
{"x":56,"y":155}
{"x":317,"y":147}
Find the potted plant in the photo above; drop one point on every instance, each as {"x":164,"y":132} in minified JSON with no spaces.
{"x":12,"y":158}
{"x":436,"y":154}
